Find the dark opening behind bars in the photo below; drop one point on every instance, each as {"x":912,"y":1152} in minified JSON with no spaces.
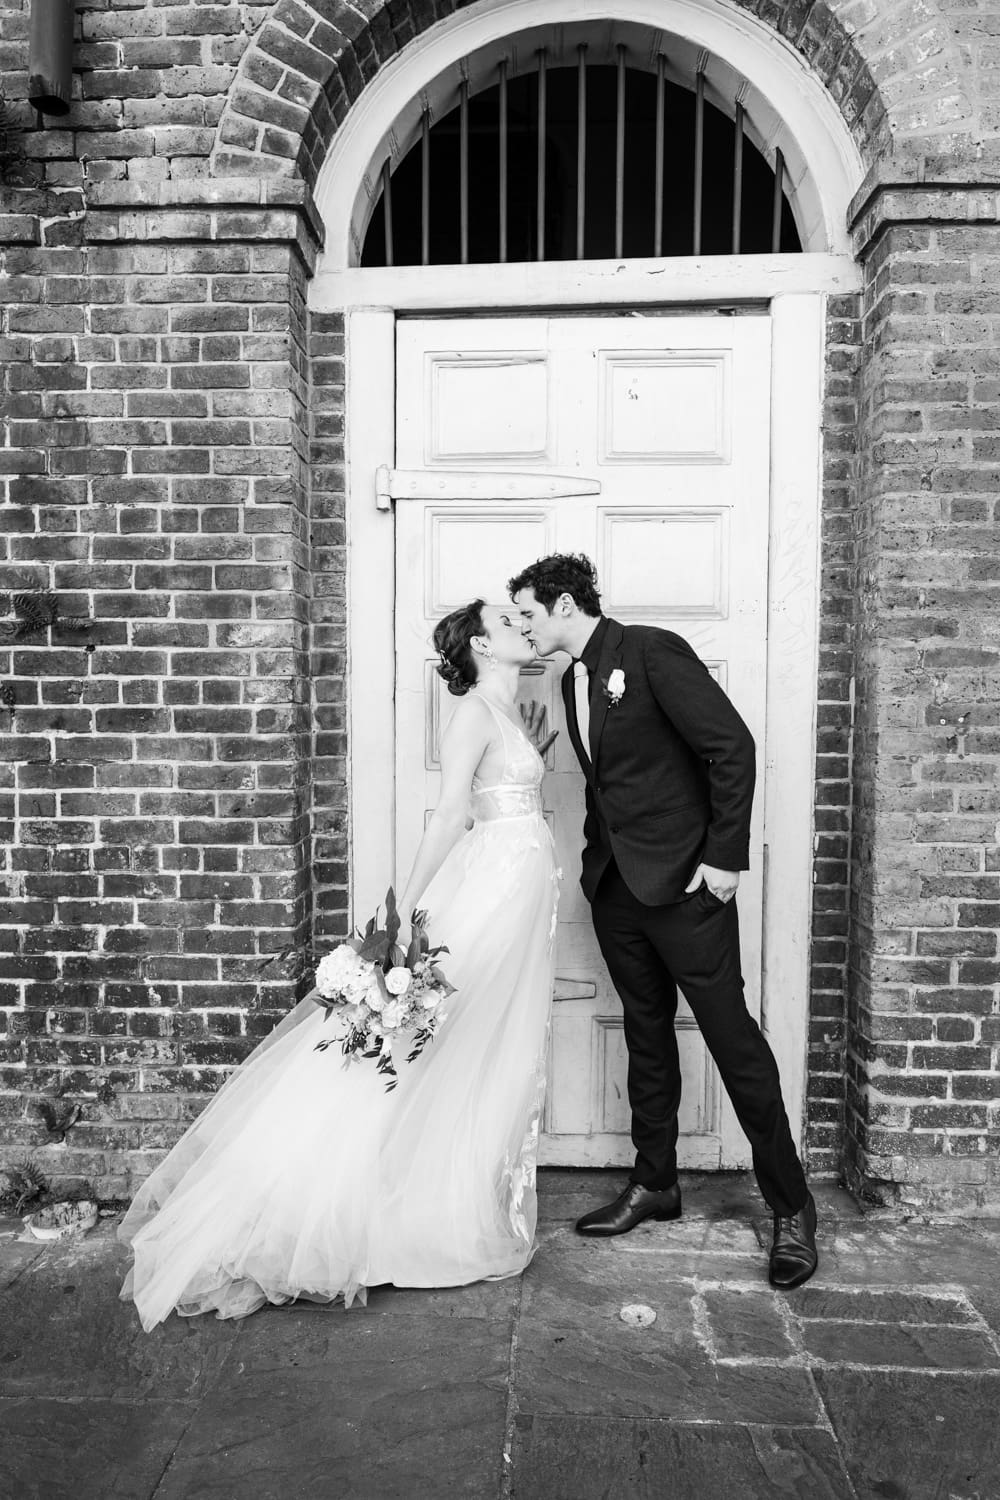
{"x":610,"y":161}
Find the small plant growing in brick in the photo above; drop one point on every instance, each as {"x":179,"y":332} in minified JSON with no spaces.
{"x":21,"y":1183}
{"x":32,"y":614}
{"x":58,"y":1115}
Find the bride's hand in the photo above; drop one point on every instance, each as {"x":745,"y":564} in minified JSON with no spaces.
{"x":534,"y":716}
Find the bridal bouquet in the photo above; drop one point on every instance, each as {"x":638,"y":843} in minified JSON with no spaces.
{"x":386,"y":999}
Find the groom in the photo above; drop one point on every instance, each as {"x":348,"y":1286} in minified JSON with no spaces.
{"x":669,"y":767}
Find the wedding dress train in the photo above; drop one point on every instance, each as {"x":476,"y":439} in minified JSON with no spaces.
{"x":304,"y":1178}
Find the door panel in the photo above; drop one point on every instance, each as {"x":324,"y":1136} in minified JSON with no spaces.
{"x":671,"y":417}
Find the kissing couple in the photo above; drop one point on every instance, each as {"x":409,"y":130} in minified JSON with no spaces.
{"x":302,"y":1179}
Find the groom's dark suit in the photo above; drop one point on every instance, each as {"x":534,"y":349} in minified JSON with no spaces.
{"x":670,"y":780}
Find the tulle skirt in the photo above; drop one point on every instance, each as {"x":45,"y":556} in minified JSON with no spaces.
{"x":304,"y":1178}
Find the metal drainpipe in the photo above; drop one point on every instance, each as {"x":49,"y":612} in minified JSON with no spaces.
{"x":50,"y":57}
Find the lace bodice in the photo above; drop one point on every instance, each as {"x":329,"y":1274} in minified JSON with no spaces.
{"x":517,"y":792}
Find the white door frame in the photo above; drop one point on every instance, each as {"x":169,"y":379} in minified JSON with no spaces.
{"x":787,"y":778}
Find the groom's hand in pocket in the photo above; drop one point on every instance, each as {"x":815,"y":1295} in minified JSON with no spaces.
{"x":722,"y":883}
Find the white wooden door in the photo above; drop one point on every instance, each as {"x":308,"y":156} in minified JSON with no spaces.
{"x":654,"y":430}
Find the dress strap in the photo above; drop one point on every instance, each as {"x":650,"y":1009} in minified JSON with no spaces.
{"x":504,"y":721}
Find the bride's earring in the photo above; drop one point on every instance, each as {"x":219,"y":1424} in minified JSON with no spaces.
{"x":488,"y":654}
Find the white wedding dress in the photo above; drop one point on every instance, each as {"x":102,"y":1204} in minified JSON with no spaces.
{"x":304,"y":1178}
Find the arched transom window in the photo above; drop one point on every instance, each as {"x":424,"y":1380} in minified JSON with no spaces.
{"x":580,"y":142}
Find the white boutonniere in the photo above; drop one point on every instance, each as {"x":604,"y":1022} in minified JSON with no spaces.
{"x":615,"y":686}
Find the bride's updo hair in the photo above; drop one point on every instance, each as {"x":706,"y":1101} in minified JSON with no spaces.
{"x":453,"y":639}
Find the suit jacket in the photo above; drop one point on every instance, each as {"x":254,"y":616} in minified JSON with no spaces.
{"x":670,"y":775}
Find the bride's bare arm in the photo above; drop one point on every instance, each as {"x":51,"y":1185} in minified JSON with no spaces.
{"x":462,"y":747}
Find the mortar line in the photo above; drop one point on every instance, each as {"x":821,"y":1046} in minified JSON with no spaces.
{"x":826,"y":1422}
{"x":979,"y":1322}
{"x":511,"y":1413}
{"x":816,"y":1361}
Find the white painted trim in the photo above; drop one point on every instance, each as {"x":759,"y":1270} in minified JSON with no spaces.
{"x":370,"y":441}
{"x":596,"y":283}
{"x":786,"y":105}
{"x":789,"y":774}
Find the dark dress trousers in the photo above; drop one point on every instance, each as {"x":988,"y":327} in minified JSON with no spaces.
{"x":670,"y":779}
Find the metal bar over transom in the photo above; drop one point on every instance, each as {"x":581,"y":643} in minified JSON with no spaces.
{"x":529,"y":113}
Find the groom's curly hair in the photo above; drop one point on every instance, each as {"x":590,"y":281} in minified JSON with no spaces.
{"x":570,"y":573}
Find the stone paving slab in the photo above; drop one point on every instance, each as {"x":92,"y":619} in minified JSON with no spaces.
{"x":879,"y":1380}
{"x":484,"y":1299}
{"x":64,"y":1331}
{"x":747,"y":1325}
{"x":340,"y":1406}
{"x":885,"y":1305}
{"x":909,"y":1435}
{"x":906,"y":1253}
{"x":877,"y":1344}
{"x":568,"y":1458}
{"x":87,"y":1449}
{"x":576,"y":1356}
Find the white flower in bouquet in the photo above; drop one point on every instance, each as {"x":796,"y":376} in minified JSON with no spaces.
{"x":393,"y":1013}
{"x":379,"y":992}
{"x":340,"y":971}
{"x":373,"y":995}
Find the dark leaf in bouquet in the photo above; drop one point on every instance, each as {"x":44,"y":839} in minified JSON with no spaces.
{"x":396,"y":957}
{"x":391,"y":916}
{"x":440,"y":979}
{"x":370,"y":925}
{"x":383,"y":991}
{"x":376,"y":948}
{"x":420,"y":1040}
{"x":413,"y":953}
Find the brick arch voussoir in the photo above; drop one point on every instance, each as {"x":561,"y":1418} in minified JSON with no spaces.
{"x":896,"y":69}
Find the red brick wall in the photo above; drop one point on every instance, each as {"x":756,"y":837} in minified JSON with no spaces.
{"x":831,"y":869}
{"x":923,"y":1078}
{"x":329,"y":628}
{"x":156,"y":779}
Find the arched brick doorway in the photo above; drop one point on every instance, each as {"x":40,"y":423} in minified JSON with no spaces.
{"x":783,"y":104}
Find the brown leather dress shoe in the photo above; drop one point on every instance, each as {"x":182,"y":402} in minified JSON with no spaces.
{"x":793,"y":1250}
{"x":629,"y":1209}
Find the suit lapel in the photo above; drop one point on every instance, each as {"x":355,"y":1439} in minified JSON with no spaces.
{"x":600,"y":703}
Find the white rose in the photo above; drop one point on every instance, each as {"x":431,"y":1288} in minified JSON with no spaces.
{"x":397,"y":981}
{"x":373,"y":996}
{"x":392,"y":1014}
{"x":616,"y":683}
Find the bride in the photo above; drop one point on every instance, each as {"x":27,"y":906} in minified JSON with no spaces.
{"x":304,"y":1177}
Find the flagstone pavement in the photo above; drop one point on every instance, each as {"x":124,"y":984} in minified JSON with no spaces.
{"x":879,"y":1380}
